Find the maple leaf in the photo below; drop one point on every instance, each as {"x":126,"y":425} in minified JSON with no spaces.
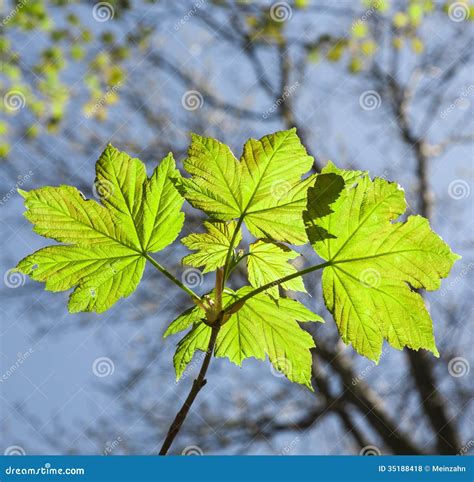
{"x":107,"y":243}
{"x":374,"y":262}
{"x":212,"y":247}
{"x":262,"y":326}
{"x":265,"y":188}
{"x":267,"y":261}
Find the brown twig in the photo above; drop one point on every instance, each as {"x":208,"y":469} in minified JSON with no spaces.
{"x":198,"y":384}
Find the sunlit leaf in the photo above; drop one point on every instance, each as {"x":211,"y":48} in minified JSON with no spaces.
{"x":212,"y":247}
{"x":262,"y":327}
{"x":104,"y":256}
{"x":267,"y":262}
{"x":375,"y":263}
{"x":265,"y":188}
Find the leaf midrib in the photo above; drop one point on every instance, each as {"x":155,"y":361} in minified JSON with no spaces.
{"x":379,"y":255}
{"x":223,"y":175}
{"x":92,"y":228}
{"x":348,"y":297}
{"x":134,"y":181}
{"x":263,"y":174}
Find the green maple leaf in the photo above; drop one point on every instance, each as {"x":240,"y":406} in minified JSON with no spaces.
{"x":350,"y":176}
{"x":215,"y":185}
{"x":265,"y":188}
{"x":160,"y":218}
{"x":267,"y":262}
{"x":262,"y":327}
{"x":119,"y":184}
{"x":185,"y":320}
{"x":212,"y":247}
{"x":196,"y":340}
{"x":104,"y":257}
{"x":374,"y":261}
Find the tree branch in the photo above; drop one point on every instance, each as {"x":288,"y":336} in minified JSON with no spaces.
{"x":367,"y":401}
{"x":422,"y":367}
{"x":198,"y":384}
{"x":189,"y":80}
{"x":286,"y":105}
